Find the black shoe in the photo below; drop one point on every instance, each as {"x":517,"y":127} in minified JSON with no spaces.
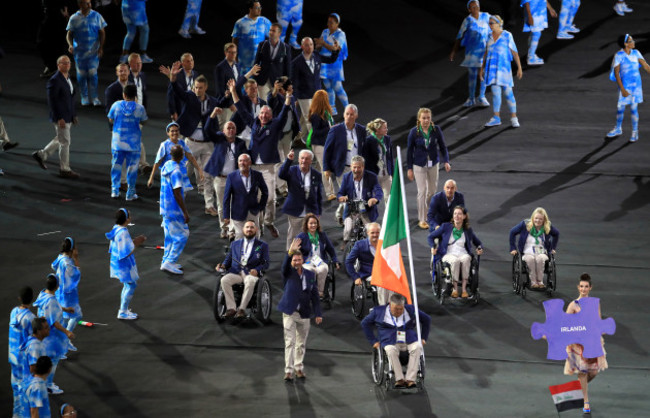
{"x":9,"y":145}
{"x":39,"y":160}
{"x":146,"y":169}
{"x":68,"y":174}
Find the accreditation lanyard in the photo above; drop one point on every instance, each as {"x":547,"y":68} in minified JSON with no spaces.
{"x":305,"y":184}
{"x":401,"y":335}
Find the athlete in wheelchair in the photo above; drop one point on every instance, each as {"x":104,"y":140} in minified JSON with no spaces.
{"x":396,"y":344}
{"x":319,"y":255}
{"x":358,"y":264}
{"x":533,"y":262}
{"x":242,"y":284}
{"x":452,"y":257}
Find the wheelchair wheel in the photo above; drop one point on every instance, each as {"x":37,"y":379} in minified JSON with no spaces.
{"x":264,"y":299}
{"x":439,"y":280}
{"x":551,"y":277}
{"x":330,"y":281}
{"x":516,"y":273}
{"x":218,"y":301}
{"x":421,"y":373}
{"x":358,"y":298}
{"x":377,"y":366}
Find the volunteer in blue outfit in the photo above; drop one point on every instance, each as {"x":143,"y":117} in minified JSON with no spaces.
{"x":535,"y":21}
{"x":537,"y":239}
{"x":625,"y":72}
{"x":67,"y":270}
{"x":497,"y":71}
{"x":173,"y":210}
{"x":134,"y":15}
{"x":20,"y":328}
{"x":299,"y":302}
{"x":191,"y":20}
{"x":425,"y":148}
{"x":567,"y":13}
{"x":122,"y":260}
{"x":456,"y":240}
{"x":396,"y":331}
{"x":473,"y":35}
{"x":126,"y":116}
{"x":56,"y":344}
{"x":442,"y":205}
{"x":36,"y":392}
{"x":333,"y":39}
{"x":250,"y":31}
{"x":290,"y":12}
{"x":86,"y":38}
{"x":247,"y":259}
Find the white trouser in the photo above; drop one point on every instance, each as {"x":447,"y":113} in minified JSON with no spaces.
{"x":414,"y":349}
{"x":4,"y":137}
{"x":305,"y":126}
{"x":202,"y":152}
{"x":268,"y":172}
{"x":458,"y":262}
{"x":239,"y":225}
{"x":219,"y":185}
{"x":295,"y":227}
{"x":426,"y":180}
{"x":319,"y":150}
{"x":60,"y":143}
{"x":383,"y":295}
{"x":296,"y":330}
{"x":249,"y":286}
{"x":321,"y":274}
{"x":329,"y":189}
{"x":386,"y":182}
{"x":264,"y":89}
{"x":284,"y":146}
{"x":535,"y":264}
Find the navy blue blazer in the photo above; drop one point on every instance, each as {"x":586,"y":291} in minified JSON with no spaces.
{"x":360,"y":251}
{"x":416,"y":150}
{"x":370,"y":189}
{"x":336,"y":147}
{"x":296,"y":201}
{"x":258,"y":260}
{"x":444,"y":232}
{"x":60,"y":99}
{"x":190,"y":116}
{"x":370,"y":153}
{"x":326,"y":246}
{"x":241,"y":122}
{"x":215,"y":164}
{"x":272,"y":69}
{"x":306,"y":82}
{"x":550,"y":240}
{"x":143,"y":83}
{"x":174,"y":105}
{"x":222,"y":73}
{"x":388,"y":331}
{"x":112,"y":94}
{"x":295,"y":298}
{"x":264,"y":139}
{"x":276,"y":103}
{"x":320,"y":128}
{"x":237,"y":202}
{"x":440,"y":212}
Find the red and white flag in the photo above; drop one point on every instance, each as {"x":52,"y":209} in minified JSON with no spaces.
{"x":567,"y":396}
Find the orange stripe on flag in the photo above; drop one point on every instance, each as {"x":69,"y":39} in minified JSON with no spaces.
{"x":384,"y":276}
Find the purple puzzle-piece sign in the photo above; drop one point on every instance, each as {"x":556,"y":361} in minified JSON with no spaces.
{"x":562,"y":329}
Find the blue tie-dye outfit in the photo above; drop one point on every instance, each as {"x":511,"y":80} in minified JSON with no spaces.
{"x":249,"y":34}
{"x":56,"y":344}
{"x":332,"y":74}
{"x":173,"y":223}
{"x":631,"y":78}
{"x":134,"y":15}
{"x":540,"y":22}
{"x":498,"y":69}
{"x":474,"y":34}
{"x":85,"y":33}
{"x":68,"y":293}
{"x":164,"y":155}
{"x":126,"y":143}
{"x":123,"y":265}
{"x":37,"y":397}
{"x":20,"y":328}
{"x":567,"y":14}
{"x":290,"y":11}
{"x":192,"y":13}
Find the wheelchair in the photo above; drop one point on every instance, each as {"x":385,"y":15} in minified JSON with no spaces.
{"x":382,"y":370}
{"x":442,"y":281}
{"x":521,"y":275}
{"x":329,"y":292}
{"x":260,"y":305}
{"x":363,"y":298}
{"x":358,"y":232}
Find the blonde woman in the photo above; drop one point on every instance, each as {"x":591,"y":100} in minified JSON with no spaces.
{"x":537,"y":238}
{"x":378,"y":152}
{"x":425,"y":147}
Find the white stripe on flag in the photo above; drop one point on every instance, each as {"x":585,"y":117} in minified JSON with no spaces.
{"x":567,"y":396}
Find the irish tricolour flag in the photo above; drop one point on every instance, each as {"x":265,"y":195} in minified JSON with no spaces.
{"x":388,"y":269}
{"x":567,"y":396}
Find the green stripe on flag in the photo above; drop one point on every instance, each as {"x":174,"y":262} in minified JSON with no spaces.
{"x":395,"y":222}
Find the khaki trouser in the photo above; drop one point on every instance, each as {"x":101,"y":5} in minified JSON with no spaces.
{"x":456,"y":263}
{"x":238,"y":226}
{"x":202,"y":152}
{"x":295,"y":227}
{"x":321,"y":274}
{"x":305,"y":126}
{"x":249,"y":286}
{"x":535,"y":264}
{"x":414,"y":349}
{"x":426,"y":180}
{"x":284,"y":146}
{"x":60,"y":143}
{"x":268,"y":172}
{"x":296,"y":330}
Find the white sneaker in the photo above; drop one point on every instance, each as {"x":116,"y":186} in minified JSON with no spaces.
{"x":573,"y":29}
{"x":564,"y":35}
{"x":146,"y":59}
{"x":171,"y":268}
{"x":482,"y":102}
{"x":197,"y":30}
{"x":615,"y":132}
{"x":514,"y":122}
{"x":619,"y":8}
{"x":71,"y":347}
{"x":494,"y":121}
{"x":53,"y":389}
{"x":184,"y":34}
{"x":469,"y":102}
{"x":127,"y":315}
{"x":626,"y":8}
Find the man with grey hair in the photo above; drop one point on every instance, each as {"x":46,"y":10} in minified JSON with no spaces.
{"x":244,"y":196}
{"x":397,"y":331}
{"x":305,"y":187}
{"x":442,"y":205}
{"x":359,"y":187}
{"x":344,"y":141}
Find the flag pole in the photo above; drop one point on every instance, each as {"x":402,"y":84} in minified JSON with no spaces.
{"x":409,"y":249}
